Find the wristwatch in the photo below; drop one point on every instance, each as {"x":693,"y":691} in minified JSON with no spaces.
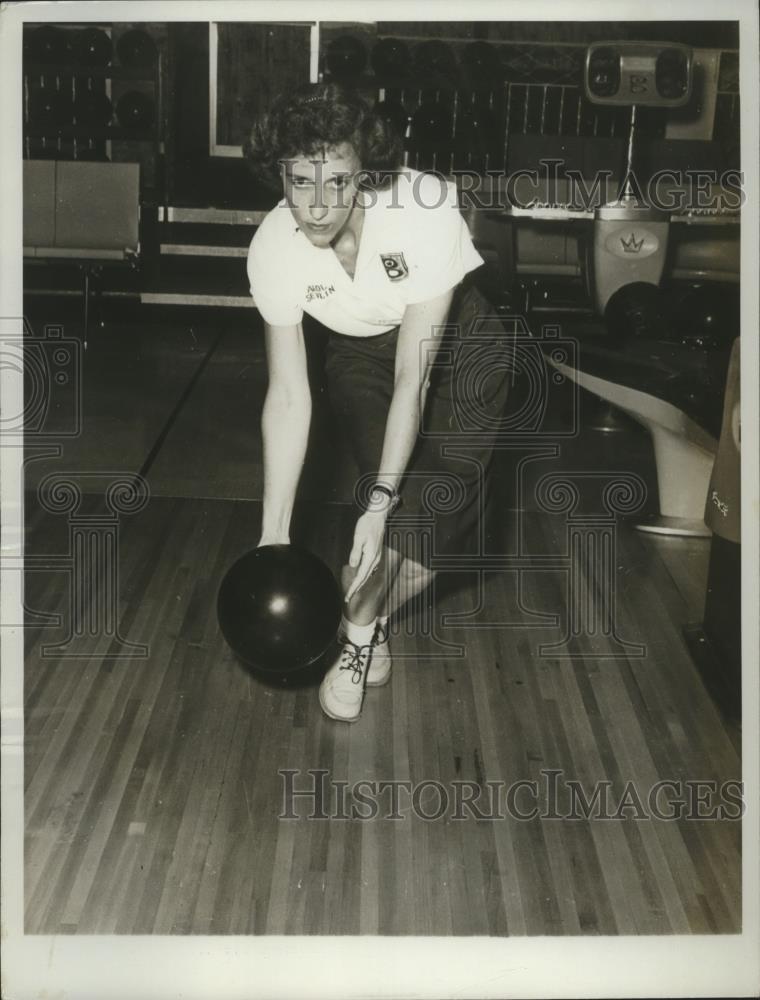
{"x":383,"y":498}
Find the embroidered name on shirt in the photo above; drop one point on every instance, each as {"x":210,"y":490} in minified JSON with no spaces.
{"x":395,"y":266}
{"x":319,"y":292}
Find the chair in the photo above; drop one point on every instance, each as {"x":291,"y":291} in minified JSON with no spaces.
{"x":84,"y":212}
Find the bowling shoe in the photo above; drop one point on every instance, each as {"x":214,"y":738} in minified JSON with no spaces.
{"x":379,"y":671}
{"x":341,"y":693}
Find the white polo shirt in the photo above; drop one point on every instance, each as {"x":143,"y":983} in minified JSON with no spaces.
{"x":414,"y":246}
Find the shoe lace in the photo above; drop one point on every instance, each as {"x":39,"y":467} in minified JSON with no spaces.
{"x":381,"y":633}
{"x":355,"y":658}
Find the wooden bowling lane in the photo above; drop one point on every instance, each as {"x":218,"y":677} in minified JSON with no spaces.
{"x":155,"y":790}
{"x":128,"y":382}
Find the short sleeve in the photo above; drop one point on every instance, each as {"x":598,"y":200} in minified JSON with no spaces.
{"x":441,"y":251}
{"x":271,"y":282}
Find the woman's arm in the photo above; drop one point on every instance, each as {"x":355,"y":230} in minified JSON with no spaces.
{"x":415,"y":350}
{"x":285,"y":428}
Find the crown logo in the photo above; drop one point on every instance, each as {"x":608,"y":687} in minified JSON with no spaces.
{"x":632,"y":245}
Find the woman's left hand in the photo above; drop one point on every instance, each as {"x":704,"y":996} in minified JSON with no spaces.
{"x":367,"y":549}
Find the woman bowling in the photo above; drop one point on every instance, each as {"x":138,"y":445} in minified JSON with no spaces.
{"x":378,"y":255}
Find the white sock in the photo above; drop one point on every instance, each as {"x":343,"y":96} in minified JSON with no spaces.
{"x":361,"y":635}
{"x":382,"y":624}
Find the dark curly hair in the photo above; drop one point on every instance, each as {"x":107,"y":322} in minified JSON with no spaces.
{"x":320,"y":116}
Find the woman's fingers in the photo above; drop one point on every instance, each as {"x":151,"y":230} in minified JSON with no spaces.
{"x":366,"y":568}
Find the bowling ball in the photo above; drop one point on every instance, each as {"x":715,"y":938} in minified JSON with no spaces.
{"x":346,"y":57}
{"x":475,"y":137}
{"x":48,"y":44}
{"x":638,"y":310}
{"x":136,"y":49}
{"x":482,"y":63}
{"x":707,"y":316}
{"x":434,"y":58}
{"x":476,"y":128}
{"x":49,"y":107}
{"x":395,"y":113}
{"x":135,"y":110}
{"x":390,"y":58}
{"x":92,"y":47}
{"x":92,"y":107}
{"x":279,"y":609}
{"x":431,"y":125}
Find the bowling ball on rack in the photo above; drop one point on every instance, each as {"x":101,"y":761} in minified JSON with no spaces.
{"x":638,"y":310}
{"x":92,"y":47}
{"x":47,"y":44}
{"x":707,"y":315}
{"x":390,"y":59}
{"x":476,"y":136}
{"x":346,"y":57}
{"x":435,"y":60}
{"x":279,"y":609}
{"x":92,"y":108}
{"x":50,"y":107}
{"x":431,"y":125}
{"x":476,"y":127}
{"x":135,"y":110}
{"x":136,"y":49}
{"x":482,"y":64}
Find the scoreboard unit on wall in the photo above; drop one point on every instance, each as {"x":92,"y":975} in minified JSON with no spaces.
{"x":647,"y":73}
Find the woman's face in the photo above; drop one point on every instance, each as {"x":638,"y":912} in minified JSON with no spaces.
{"x":321,"y":192}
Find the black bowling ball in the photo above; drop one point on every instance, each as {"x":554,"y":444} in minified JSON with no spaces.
{"x":435,"y":59}
{"x":136,"y":49}
{"x":346,"y":57}
{"x":476,"y":128}
{"x":431,"y":126}
{"x":48,"y":44}
{"x":708,"y":316}
{"x":279,"y":609}
{"x":482,"y":63}
{"x":390,"y":58}
{"x":92,"y":108}
{"x":92,"y":47}
{"x":638,"y":310}
{"x":50,"y":107}
{"x":135,"y":110}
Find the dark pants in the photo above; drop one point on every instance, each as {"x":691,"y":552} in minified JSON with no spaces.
{"x":444,"y":489}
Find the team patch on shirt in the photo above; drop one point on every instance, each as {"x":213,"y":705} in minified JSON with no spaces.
{"x":395,"y":266}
